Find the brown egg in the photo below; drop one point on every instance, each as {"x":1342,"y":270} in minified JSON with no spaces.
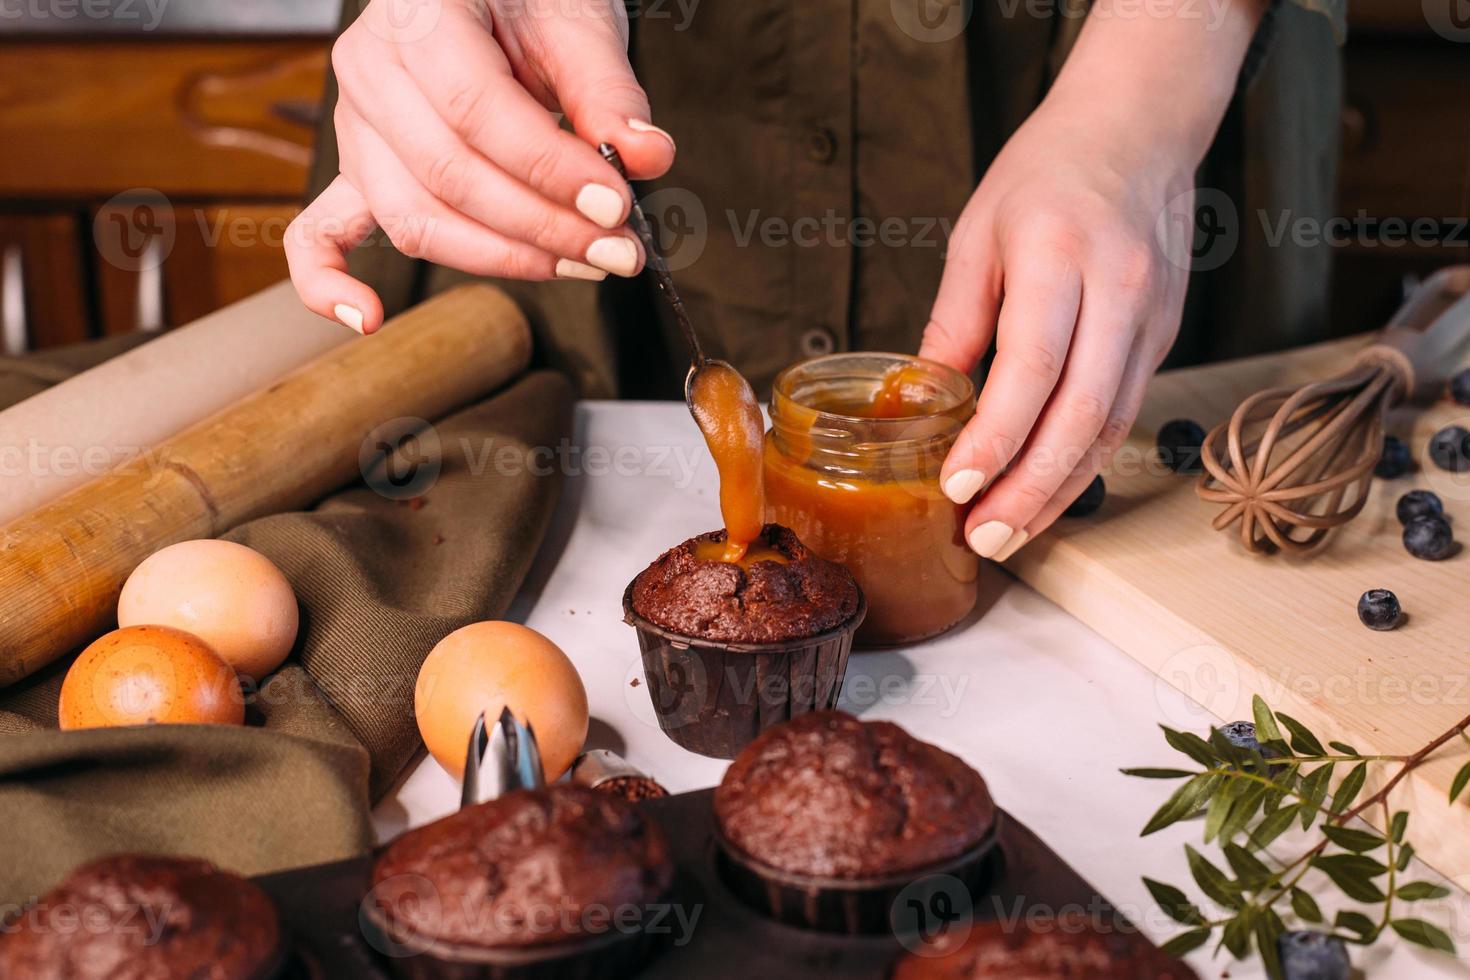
{"x":143,"y":675}
{"x":486,"y":666}
{"x":230,"y":596}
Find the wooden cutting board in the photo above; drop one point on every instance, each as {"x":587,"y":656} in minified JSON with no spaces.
{"x":1150,"y":574}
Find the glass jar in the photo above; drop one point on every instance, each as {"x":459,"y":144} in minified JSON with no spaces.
{"x":864,"y":491}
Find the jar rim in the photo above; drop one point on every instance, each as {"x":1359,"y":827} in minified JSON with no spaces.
{"x":961,"y":389}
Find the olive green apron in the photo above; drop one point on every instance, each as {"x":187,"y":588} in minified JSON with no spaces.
{"x":826,"y":146}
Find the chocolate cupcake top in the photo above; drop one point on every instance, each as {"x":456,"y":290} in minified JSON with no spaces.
{"x":759,"y":601}
{"x":830,"y":796}
{"x":141,"y":916}
{"x":1069,"y":947}
{"x":531,"y":868}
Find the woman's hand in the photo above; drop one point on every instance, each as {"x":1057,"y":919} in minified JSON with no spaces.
{"x":448,"y":142}
{"x":1073,"y":258}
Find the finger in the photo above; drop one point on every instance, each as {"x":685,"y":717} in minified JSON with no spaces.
{"x":421,"y":227}
{"x":465,"y":77}
{"x":1108,"y":322}
{"x":1124,"y":412}
{"x":1038,"y":312}
{"x":317,"y":243}
{"x":596,"y":87}
{"x":962,"y":321}
{"x":468,"y":183}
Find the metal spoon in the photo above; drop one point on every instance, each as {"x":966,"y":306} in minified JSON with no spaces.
{"x":641,"y":226}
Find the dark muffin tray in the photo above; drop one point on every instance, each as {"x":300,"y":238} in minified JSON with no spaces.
{"x":320,"y":907}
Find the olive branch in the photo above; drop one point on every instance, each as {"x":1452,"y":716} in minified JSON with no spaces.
{"x":1249,"y":797}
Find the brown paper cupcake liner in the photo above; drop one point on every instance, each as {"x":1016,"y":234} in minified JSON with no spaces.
{"x":851,"y":906}
{"x":714,"y":698}
{"x":610,"y":956}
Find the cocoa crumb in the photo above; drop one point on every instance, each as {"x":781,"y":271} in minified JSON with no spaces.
{"x":633,"y":682}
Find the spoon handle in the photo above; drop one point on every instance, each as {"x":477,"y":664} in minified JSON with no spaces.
{"x":644,"y":229}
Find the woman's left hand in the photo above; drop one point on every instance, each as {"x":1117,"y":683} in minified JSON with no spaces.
{"x":1057,"y":258}
{"x":1072,"y":257}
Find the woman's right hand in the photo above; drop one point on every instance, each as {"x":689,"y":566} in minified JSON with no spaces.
{"x":448,"y":142}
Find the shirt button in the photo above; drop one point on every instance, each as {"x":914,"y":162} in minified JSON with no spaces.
{"x":817,"y":341}
{"x":821,"y":145}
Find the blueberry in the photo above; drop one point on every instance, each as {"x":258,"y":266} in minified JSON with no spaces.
{"x":1460,"y":387}
{"x":1429,"y":538}
{"x":1379,"y":609}
{"x":1418,"y":503}
{"x":1179,"y":442}
{"x":1089,"y":500}
{"x":1242,"y":735}
{"x":1311,"y":955}
{"x":1450,"y":449}
{"x":1395,"y":461}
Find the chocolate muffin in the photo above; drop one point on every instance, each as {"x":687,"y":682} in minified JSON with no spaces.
{"x":551,"y":870}
{"x":731,"y":649}
{"x":825,"y":821}
{"x":834,"y":797}
{"x":1070,"y":947}
{"x":764,"y":602}
{"x":140,"y":916}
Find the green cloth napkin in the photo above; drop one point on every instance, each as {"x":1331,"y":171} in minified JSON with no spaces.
{"x":379,"y":582}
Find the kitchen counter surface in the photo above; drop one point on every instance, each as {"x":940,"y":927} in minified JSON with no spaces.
{"x":1043,"y":707}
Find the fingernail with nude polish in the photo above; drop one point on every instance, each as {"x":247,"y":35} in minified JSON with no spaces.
{"x":1013,"y":545}
{"x":571,"y":269}
{"x":962,"y":485}
{"x":989,"y":538}
{"x":600,"y":204}
{"x":617,"y":255}
{"x":348,"y":316}
{"x":648,"y":127}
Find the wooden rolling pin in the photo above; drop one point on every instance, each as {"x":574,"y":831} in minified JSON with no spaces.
{"x":284,"y":447}
{"x":153,"y":393}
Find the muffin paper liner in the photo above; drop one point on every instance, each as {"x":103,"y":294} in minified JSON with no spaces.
{"x":851,"y":906}
{"x":608,"y":956}
{"x":713,"y":698}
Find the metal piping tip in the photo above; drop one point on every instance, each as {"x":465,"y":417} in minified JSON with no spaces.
{"x":500,"y":759}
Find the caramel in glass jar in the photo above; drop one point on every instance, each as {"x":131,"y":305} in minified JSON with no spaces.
{"x":852,"y":466}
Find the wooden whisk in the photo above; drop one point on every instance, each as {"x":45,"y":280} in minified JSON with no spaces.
{"x":1293,"y":463}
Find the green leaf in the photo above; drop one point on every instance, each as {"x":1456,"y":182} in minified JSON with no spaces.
{"x":1186,"y":942}
{"x":1305,"y":906}
{"x":1243,"y":812}
{"x":1272,"y":827}
{"x":1219,"y":808}
{"x":1358,"y":923}
{"x":1175,"y":904}
{"x":1398,"y":825}
{"x":1250,"y":870}
{"x":1423,"y":933}
{"x":1347,"y":790}
{"x":1302,"y":740}
{"x":1212,"y":880}
{"x":1157,"y":773}
{"x":1237,"y":934}
{"x":1406,"y":854}
{"x":1191,"y":745}
{"x":1357,"y":841}
{"x":1417,"y":891}
{"x":1266,"y":730}
{"x":1268,"y":930}
{"x":1183,"y":803}
{"x":1343,"y":748}
{"x":1461,"y":779}
{"x":1354,"y":874}
{"x":1314,"y":791}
